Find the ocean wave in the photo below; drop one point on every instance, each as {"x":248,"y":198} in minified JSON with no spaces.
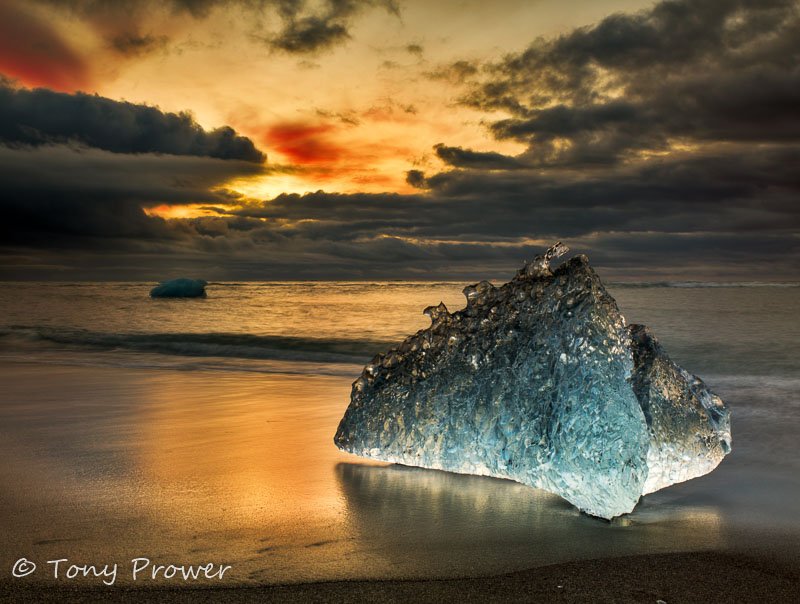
{"x":231,"y":345}
{"x":160,"y":362}
{"x":700,"y":284}
{"x":337,"y":284}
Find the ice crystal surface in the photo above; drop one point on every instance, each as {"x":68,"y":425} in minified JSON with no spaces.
{"x":540,"y":381}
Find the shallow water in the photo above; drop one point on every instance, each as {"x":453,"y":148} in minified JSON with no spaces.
{"x":201,"y":430}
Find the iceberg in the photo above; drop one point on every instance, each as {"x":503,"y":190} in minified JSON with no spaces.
{"x":542,"y":382}
{"x":180,"y":288}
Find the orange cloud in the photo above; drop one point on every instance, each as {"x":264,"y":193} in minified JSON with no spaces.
{"x":304,"y":143}
{"x":34,"y":53}
{"x":335,"y":155}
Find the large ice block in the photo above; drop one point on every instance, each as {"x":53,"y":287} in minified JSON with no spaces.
{"x":539,"y":381}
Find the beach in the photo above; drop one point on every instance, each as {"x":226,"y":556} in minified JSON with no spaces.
{"x":135,"y":430}
{"x":692,"y":577}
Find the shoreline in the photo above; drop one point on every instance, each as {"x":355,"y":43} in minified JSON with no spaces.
{"x":677,"y":577}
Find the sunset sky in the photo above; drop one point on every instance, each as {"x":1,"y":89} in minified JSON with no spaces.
{"x":374,"y":139}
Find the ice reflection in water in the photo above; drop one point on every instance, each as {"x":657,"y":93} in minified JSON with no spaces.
{"x":441,"y":523}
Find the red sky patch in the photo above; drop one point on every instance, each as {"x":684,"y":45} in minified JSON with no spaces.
{"x":303,"y":143}
{"x":34,"y":53}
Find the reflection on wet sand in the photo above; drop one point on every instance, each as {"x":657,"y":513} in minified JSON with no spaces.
{"x":127,"y":463}
{"x":242,"y":469}
{"x":413,"y":517}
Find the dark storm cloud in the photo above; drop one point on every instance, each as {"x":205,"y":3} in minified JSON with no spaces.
{"x":309,"y":35}
{"x":77,"y":171}
{"x":304,"y":27}
{"x":735,"y":191}
{"x":35,"y":117}
{"x":728,"y":211}
{"x":691,"y":70}
{"x":416,"y":178}
{"x":479,"y":160}
{"x":56,"y":195}
{"x":327,"y":25}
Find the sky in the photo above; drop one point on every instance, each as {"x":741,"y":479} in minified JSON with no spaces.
{"x":393,"y":140}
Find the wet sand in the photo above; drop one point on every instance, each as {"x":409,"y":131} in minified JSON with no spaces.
{"x":685,"y":577}
{"x":104,"y":464}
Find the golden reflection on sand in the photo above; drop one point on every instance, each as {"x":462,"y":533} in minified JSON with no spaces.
{"x":241,"y":452}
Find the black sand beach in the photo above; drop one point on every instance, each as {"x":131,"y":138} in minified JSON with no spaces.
{"x":686,"y":577}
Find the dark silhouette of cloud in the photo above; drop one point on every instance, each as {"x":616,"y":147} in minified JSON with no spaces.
{"x":41,"y":116}
{"x":77,"y":171}
{"x":309,"y":35}
{"x":683,"y":71}
{"x":305,"y":32}
{"x":61,"y":196}
{"x":416,"y":178}
{"x":479,"y":160}
{"x":739,"y":191}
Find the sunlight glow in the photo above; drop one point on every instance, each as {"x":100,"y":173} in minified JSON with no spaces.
{"x":180,"y":211}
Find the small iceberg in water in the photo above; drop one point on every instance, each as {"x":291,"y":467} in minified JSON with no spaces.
{"x":180,"y":288}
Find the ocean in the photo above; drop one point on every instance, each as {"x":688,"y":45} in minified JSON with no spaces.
{"x":200,"y":430}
